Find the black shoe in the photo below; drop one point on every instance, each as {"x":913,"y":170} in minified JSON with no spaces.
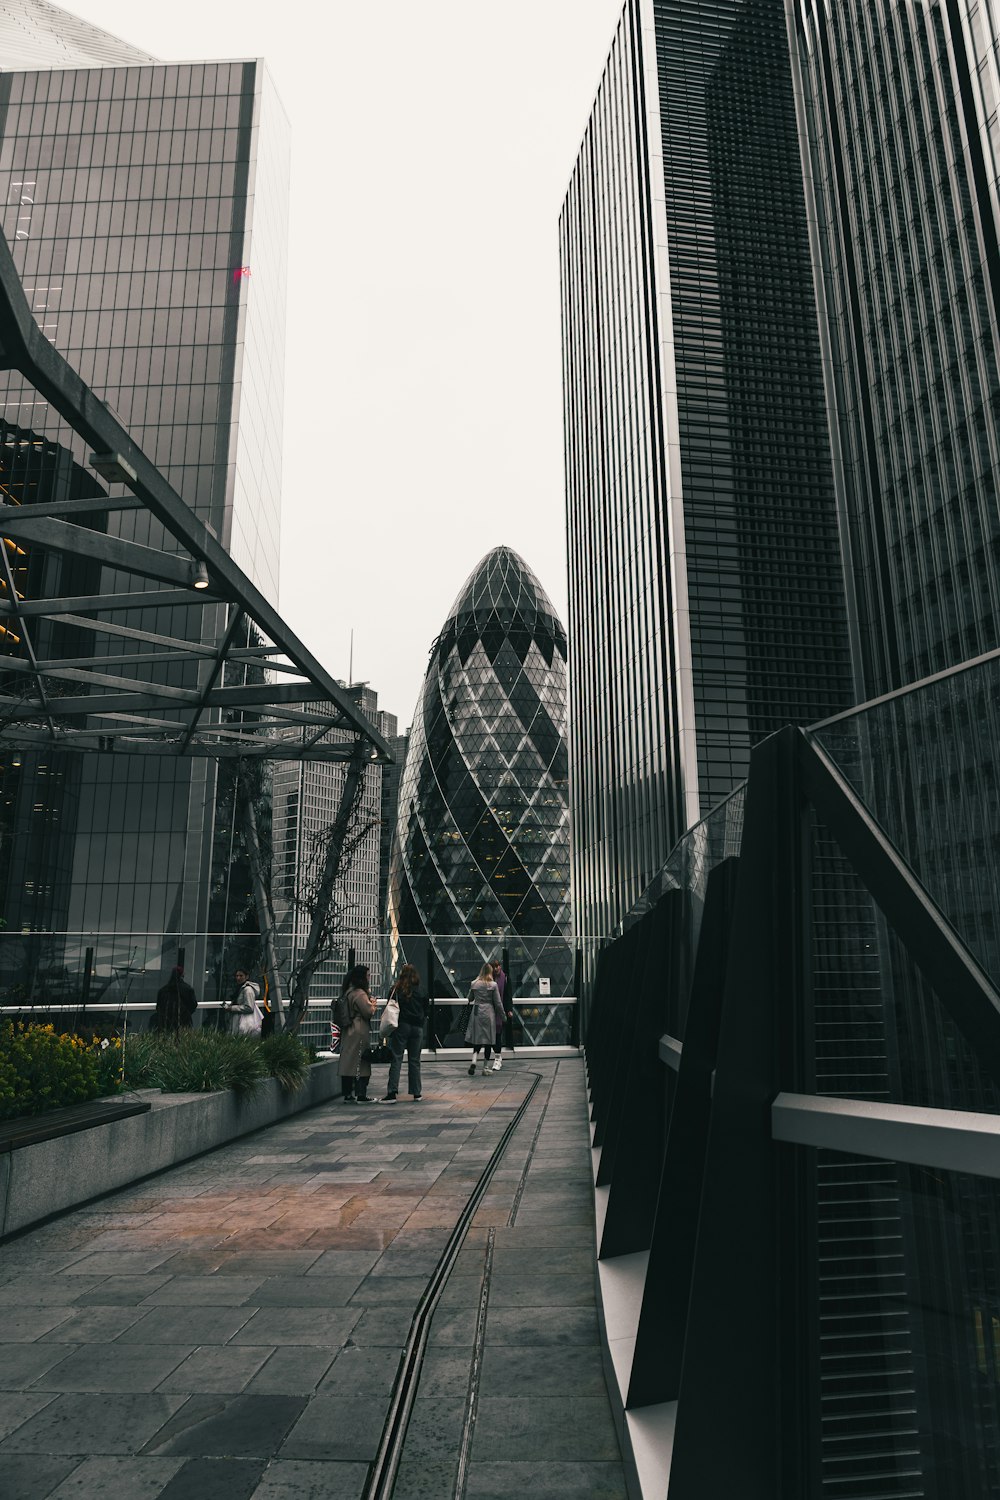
{"x":472,"y":1069}
{"x":416,"y":1097}
{"x":350,"y":1099}
{"x":388,"y":1099}
{"x":364,"y":1099}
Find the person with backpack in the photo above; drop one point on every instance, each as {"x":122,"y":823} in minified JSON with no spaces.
{"x":352,"y":1012}
{"x":245,"y":1005}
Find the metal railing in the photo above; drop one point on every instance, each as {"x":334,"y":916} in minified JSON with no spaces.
{"x":797,"y":1121}
{"x":117,"y":968}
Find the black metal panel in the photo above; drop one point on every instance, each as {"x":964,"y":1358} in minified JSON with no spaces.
{"x":612,"y":962}
{"x":615,"y":1049}
{"x":630,"y":1162}
{"x":734,"y":1305}
{"x":656,"y":1367}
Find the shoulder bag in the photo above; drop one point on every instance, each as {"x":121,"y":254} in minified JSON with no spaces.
{"x":390,"y":1017}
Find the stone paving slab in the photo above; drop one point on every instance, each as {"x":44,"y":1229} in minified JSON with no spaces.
{"x":233,"y":1327}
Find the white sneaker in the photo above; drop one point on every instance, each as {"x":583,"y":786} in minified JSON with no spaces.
{"x":497,"y":1065}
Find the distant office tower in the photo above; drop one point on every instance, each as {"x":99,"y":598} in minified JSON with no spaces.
{"x":482,"y":844}
{"x":706,"y":592}
{"x":35,"y":34}
{"x":146,"y":207}
{"x":305,"y":802}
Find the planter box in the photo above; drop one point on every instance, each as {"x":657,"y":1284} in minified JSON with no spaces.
{"x":49,"y":1176}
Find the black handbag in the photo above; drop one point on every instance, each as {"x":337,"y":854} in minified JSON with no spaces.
{"x":376,"y":1055}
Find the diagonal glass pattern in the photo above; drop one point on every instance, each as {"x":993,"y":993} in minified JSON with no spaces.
{"x":482,"y":840}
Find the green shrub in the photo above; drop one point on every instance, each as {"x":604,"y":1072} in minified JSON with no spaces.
{"x":108,"y":1054}
{"x":41,"y":1070}
{"x":286,"y":1059}
{"x":193,"y":1062}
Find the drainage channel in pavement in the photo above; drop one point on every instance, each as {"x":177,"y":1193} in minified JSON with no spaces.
{"x":525,"y":1406}
{"x":233,"y":1327}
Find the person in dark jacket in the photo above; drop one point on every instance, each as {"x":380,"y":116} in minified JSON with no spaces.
{"x":409,"y":1034}
{"x":175,"y":1003}
{"x":500,"y":980}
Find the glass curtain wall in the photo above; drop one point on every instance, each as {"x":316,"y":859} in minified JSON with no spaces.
{"x":146,"y":209}
{"x":898,"y":107}
{"x":707,"y":603}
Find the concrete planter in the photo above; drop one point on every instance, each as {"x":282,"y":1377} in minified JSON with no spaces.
{"x":42,"y":1179}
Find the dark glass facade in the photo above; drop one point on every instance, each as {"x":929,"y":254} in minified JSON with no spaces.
{"x":706,"y":595}
{"x":867,"y":134}
{"x":146,"y":208}
{"x":899,"y":110}
{"x":482,"y":842}
{"x":898,"y":114}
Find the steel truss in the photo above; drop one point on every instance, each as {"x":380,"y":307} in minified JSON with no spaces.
{"x":257,"y":690}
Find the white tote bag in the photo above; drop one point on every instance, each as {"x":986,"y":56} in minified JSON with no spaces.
{"x":390,"y":1018}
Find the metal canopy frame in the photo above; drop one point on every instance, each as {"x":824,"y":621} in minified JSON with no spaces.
{"x":258,"y":691}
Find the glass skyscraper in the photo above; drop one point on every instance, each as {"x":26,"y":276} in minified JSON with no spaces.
{"x":706,"y":593}
{"x":482,"y":842}
{"x":146,"y":208}
{"x":781,"y":263}
{"x":907,"y":216}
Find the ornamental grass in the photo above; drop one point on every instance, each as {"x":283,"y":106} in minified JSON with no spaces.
{"x":287,"y":1060}
{"x":201,"y":1061}
{"x":42,"y":1069}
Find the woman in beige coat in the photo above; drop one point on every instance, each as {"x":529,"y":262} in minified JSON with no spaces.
{"x":352,"y":1012}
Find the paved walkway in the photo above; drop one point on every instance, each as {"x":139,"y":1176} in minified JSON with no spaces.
{"x":232,"y":1328}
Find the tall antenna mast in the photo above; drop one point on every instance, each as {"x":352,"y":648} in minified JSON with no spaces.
{"x":350,"y":664}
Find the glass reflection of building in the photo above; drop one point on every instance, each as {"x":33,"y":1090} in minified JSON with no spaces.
{"x":706,"y":597}
{"x":481,"y":854}
{"x":146,"y":208}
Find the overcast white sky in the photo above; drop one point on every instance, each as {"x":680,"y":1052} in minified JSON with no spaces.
{"x":432,"y":143}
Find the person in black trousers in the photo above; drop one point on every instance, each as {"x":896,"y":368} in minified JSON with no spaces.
{"x":409,"y":1034}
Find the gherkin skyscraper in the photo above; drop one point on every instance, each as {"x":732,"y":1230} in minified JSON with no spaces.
{"x":481,"y":852}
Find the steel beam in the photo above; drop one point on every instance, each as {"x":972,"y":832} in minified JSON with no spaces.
{"x":56,"y":508}
{"x":945,"y":1140}
{"x":110,"y":551}
{"x":79,"y":603}
{"x":213,"y":676}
